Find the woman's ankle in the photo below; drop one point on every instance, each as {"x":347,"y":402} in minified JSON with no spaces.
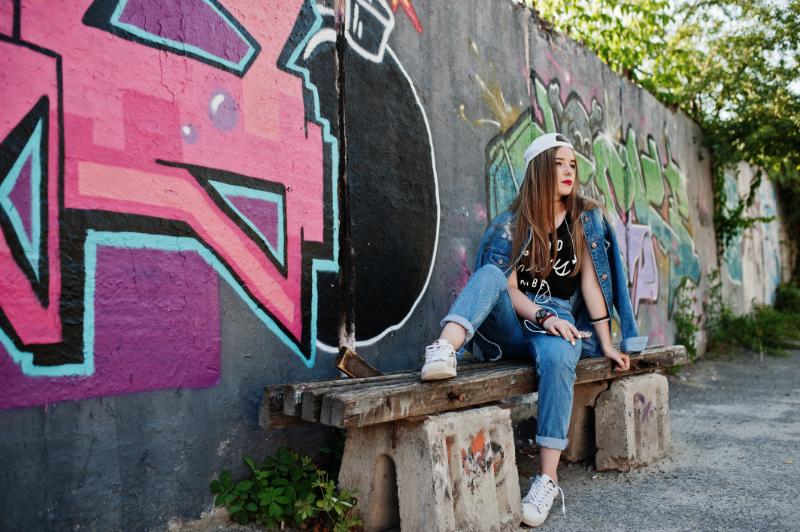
{"x":454,"y":334}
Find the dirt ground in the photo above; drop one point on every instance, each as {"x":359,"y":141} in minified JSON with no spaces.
{"x":735,"y":463}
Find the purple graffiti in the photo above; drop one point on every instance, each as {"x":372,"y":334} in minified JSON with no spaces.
{"x":642,"y":408}
{"x":639,"y":253}
{"x":190,"y":22}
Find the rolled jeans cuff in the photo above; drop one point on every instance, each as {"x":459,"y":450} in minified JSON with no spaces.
{"x":552,"y":443}
{"x":461,"y":320}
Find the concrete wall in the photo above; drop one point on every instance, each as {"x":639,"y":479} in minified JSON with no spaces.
{"x":177,"y":195}
{"x":760,"y":258}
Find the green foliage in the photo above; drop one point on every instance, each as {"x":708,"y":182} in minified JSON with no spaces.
{"x":732,"y":65}
{"x":287,"y":488}
{"x":624,"y":34}
{"x":713,"y":305}
{"x":687,"y":322}
{"x":787,"y":298}
{"x":766,"y":330}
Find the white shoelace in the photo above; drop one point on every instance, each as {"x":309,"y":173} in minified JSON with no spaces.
{"x":438,"y":352}
{"x":536,"y":497}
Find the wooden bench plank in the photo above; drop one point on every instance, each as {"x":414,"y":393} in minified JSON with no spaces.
{"x":381,"y":403}
{"x":287,"y":399}
{"x":311,"y":402}
{"x":271,"y":415}
{"x":290,"y":404}
{"x":358,"y":408}
{"x":601,"y":368}
{"x":292,"y":394}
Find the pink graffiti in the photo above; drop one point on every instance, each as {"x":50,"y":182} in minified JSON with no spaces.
{"x":126,"y":108}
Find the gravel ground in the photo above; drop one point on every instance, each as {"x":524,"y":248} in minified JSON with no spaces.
{"x":735,"y":463}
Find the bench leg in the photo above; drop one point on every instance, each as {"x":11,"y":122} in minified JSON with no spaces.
{"x":454,"y":471}
{"x":632,"y":420}
{"x":581,"y":423}
{"x":368,"y":470}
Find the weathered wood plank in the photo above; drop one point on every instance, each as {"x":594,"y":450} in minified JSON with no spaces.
{"x":601,"y":368}
{"x":271,"y":416}
{"x":304,"y":401}
{"x":388,"y":402}
{"x":293,"y":393}
{"x":353,"y":365}
{"x":384,"y":402}
{"x":311,"y":402}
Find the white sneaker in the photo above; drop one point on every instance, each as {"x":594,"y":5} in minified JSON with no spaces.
{"x":440,"y":361}
{"x":536,"y":504}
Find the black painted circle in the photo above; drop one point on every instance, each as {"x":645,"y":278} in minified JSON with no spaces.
{"x":392,"y":187}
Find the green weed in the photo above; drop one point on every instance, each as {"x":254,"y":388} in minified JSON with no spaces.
{"x":687,"y":322}
{"x":765,"y":330}
{"x":286,"y":489}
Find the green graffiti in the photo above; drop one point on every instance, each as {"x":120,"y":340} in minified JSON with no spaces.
{"x":633,"y":186}
{"x":651,"y":172}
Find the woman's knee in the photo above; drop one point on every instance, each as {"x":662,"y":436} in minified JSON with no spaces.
{"x":490,"y":275}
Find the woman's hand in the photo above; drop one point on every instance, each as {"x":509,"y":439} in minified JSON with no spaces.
{"x":558,"y":327}
{"x":622,"y":361}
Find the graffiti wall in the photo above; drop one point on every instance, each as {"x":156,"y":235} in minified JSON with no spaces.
{"x":199,"y":198}
{"x":760,"y":258}
{"x":212,"y":157}
{"x":633,"y":158}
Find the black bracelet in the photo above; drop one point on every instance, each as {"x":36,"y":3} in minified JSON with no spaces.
{"x":600,"y":320}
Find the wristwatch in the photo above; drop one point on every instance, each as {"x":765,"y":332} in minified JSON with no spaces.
{"x":542,"y":315}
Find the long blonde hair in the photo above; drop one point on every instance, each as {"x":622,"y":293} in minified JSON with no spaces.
{"x":534,"y":209}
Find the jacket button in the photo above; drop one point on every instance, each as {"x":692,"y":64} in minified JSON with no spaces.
{"x":594,"y":245}
{"x":499,"y":261}
{"x":604,"y":277}
{"x":585,"y":218}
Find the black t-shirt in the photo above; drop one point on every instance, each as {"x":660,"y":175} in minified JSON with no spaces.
{"x":558,"y":284}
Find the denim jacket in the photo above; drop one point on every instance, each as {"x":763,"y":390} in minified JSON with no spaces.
{"x":496,"y":248}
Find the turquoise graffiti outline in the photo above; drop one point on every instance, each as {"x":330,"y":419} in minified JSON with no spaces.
{"x":181,"y":46}
{"x":31,"y":245}
{"x":141,"y":241}
{"x":227,"y":191}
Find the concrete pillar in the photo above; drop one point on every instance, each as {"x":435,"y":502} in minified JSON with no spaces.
{"x":632,"y":421}
{"x":368,"y":470}
{"x":582,"y":421}
{"x":454,"y":471}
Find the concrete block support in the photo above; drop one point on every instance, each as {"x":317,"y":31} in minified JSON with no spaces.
{"x":453,"y":471}
{"x":632,"y":420}
{"x":582,"y":422}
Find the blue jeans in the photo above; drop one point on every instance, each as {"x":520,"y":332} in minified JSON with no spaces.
{"x":484,"y":309}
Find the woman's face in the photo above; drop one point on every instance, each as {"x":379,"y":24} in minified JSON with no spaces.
{"x":566,"y":171}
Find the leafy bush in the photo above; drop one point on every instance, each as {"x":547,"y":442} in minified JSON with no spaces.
{"x":287,"y":488}
{"x":787,"y":298}
{"x":687,"y":322}
{"x":765,"y":329}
